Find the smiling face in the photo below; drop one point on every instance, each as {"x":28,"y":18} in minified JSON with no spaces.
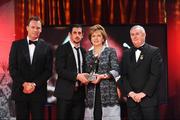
{"x":76,"y":35}
{"x":137,"y":36}
{"x":97,"y":35}
{"x":34,"y":29}
{"x":97,"y":38}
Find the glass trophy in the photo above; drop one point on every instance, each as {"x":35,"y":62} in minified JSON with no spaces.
{"x":92,"y":76}
{"x":94,"y":69}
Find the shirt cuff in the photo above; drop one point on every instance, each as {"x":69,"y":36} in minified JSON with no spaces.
{"x":115,"y":75}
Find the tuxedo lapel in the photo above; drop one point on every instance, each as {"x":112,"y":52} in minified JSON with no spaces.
{"x":132,"y":57}
{"x":71,"y":55}
{"x":25,"y":49}
{"x":37,"y":51}
{"x":142,"y":55}
{"x":83,"y":54}
{"x":140,"y":59}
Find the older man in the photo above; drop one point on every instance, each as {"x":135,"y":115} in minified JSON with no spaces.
{"x":141,"y":70}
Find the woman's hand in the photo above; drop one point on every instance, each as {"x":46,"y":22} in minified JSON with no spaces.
{"x":100,"y":77}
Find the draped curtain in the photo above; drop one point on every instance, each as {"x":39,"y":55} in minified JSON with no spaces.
{"x":88,"y":12}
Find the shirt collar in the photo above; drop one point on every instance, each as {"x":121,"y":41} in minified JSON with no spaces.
{"x":72,"y":45}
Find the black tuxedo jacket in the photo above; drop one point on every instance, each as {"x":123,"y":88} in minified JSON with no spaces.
{"x":142,"y":76}
{"x":21,"y":70}
{"x":67,"y":72}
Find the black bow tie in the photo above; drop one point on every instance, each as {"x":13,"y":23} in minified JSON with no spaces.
{"x":140,"y":48}
{"x":33,"y":42}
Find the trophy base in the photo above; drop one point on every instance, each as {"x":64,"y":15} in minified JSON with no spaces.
{"x":91,"y":77}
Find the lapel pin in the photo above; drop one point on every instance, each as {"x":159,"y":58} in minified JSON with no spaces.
{"x":141,"y":57}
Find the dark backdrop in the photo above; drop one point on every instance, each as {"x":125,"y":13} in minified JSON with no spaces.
{"x":117,"y":36}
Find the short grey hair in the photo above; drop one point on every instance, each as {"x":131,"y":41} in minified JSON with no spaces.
{"x":138,"y":26}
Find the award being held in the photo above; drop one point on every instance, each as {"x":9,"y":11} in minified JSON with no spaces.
{"x":93,"y":69}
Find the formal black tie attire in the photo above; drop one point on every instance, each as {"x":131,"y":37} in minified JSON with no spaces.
{"x":30,"y":61}
{"x":142,"y":75}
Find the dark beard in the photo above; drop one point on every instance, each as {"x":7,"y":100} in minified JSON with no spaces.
{"x":76,"y":42}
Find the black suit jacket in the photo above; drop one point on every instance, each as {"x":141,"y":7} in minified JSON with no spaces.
{"x":21,"y":70}
{"x":67,"y":72}
{"x":142,"y":76}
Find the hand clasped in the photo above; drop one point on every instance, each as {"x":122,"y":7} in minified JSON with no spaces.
{"x":28,"y":87}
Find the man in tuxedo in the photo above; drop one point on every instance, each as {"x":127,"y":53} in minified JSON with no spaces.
{"x":70,"y":86}
{"x":141,"y":71}
{"x":30,"y":64}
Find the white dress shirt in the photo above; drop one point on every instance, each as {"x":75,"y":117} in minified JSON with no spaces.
{"x":31,"y":49}
{"x":137,"y":54}
{"x":75,"y":55}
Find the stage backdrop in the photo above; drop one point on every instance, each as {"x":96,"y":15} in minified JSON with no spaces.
{"x":7,"y":30}
{"x":7,"y":35}
{"x":118,"y":38}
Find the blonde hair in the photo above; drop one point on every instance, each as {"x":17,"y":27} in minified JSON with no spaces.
{"x":100,"y":28}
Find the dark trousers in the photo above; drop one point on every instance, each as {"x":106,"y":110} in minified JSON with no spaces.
{"x":97,"y":106}
{"x":143,"y":113}
{"x":71,"y":109}
{"x":29,"y":109}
